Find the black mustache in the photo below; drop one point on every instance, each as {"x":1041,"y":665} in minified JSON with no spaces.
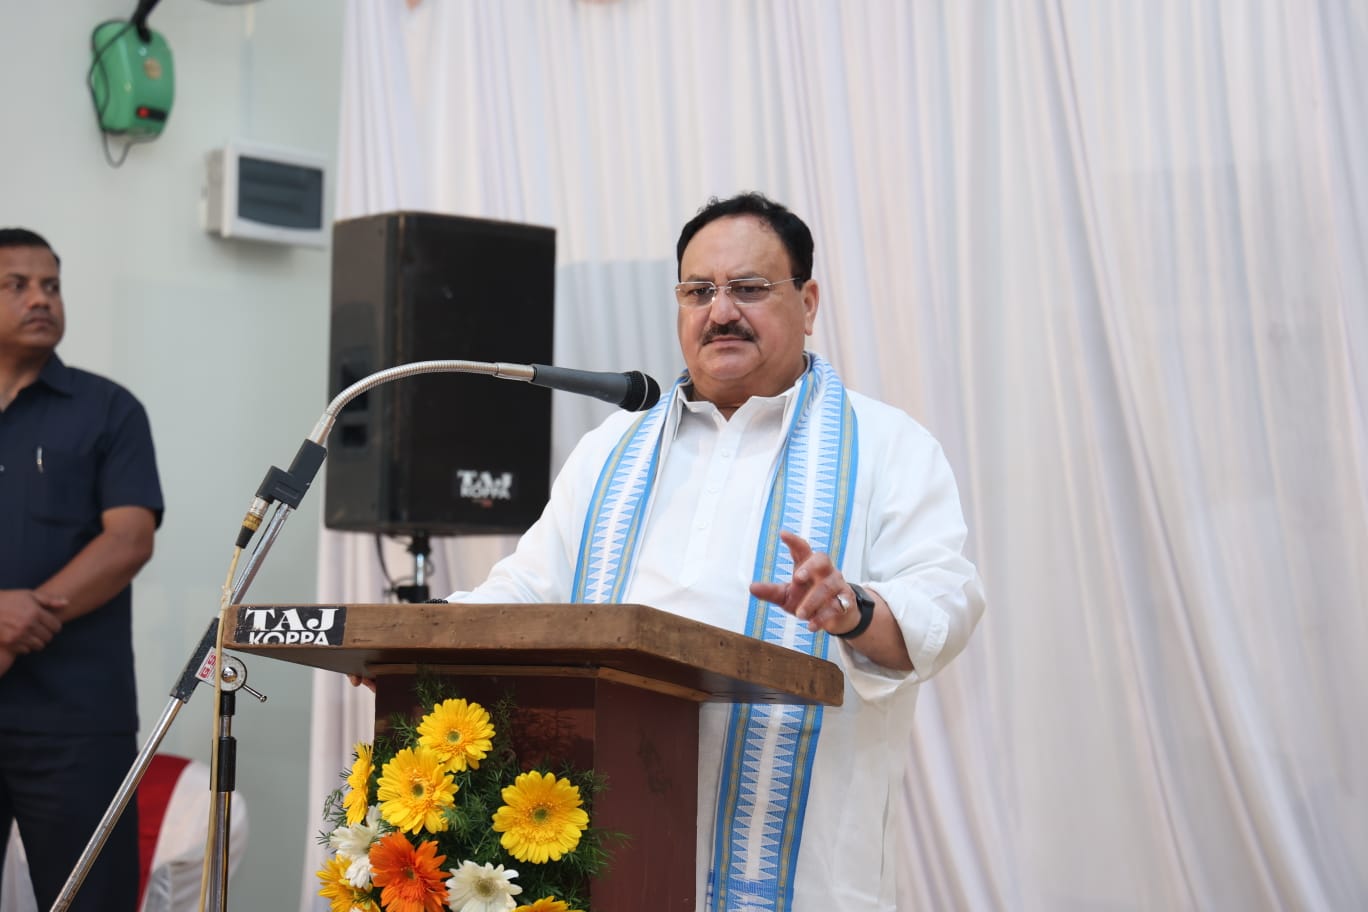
{"x":729,"y":330}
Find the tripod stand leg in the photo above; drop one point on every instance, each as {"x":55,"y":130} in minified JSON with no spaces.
{"x":116,"y":808}
{"x":201,"y":667}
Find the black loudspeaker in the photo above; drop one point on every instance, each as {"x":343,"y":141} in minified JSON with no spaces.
{"x":441,"y":454}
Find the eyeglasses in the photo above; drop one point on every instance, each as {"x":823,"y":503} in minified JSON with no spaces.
{"x":743,"y":292}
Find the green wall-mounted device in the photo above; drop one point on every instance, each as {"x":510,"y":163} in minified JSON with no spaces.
{"x":132,"y":79}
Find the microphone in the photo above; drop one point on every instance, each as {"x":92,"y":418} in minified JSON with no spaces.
{"x":632,"y":390}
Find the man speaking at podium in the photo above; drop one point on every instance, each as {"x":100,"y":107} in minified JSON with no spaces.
{"x":761,"y":496}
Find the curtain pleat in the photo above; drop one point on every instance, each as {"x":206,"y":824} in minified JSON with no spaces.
{"x":1115,"y":256}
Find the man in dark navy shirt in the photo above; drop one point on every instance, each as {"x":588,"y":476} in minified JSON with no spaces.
{"x":79,"y":504}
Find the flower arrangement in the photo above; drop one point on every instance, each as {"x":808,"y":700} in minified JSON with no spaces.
{"x":442,"y":815}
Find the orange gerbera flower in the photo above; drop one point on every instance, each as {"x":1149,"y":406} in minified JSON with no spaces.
{"x":412,"y":879}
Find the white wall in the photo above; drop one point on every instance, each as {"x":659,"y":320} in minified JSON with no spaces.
{"x":224,"y":343}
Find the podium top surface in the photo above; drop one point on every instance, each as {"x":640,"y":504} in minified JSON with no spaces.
{"x":631,"y":643}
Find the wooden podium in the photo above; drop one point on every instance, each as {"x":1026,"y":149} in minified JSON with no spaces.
{"x":612,"y":687}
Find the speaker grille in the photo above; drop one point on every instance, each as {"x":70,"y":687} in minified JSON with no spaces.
{"x":441,"y":454}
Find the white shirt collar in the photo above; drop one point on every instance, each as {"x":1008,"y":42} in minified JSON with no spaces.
{"x":703,"y":408}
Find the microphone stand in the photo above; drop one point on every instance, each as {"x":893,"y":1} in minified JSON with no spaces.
{"x":201,"y":667}
{"x":288,"y":489}
{"x":285,"y":489}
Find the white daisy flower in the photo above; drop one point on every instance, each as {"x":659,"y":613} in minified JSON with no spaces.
{"x":476,"y":888}
{"x":353,"y":843}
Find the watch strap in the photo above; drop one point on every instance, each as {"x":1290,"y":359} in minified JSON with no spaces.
{"x":865,"y":603}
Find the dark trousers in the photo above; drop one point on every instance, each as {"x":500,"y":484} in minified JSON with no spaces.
{"x":58,"y":786}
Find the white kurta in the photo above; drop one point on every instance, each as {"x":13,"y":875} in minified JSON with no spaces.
{"x":696,"y":559}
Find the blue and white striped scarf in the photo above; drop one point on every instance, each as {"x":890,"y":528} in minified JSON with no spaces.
{"x":769,"y":750}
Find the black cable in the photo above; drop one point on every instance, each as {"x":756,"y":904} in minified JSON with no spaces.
{"x":99,"y":60}
{"x":139,"y":19}
{"x":390,"y":583}
{"x":393,"y":585}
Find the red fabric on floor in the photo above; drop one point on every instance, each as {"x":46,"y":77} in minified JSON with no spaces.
{"x":154,"y":793}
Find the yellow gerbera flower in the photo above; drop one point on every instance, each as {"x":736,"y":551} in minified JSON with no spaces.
{"x":458,"y":732}
{"x":541,"y":818}
{"x":546,"y":904}
{"x":341,"y":895}
{"x":413,"y":791}
{"x":358,"y":799}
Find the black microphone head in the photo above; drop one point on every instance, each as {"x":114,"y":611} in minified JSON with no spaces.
{"x":642,"y":392}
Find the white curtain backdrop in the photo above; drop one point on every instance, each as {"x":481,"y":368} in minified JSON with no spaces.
{"x":1114,"y":255}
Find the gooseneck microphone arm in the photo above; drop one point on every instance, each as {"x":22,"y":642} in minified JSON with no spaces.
{"x":633,"y":390}
{"x":321,"y":430}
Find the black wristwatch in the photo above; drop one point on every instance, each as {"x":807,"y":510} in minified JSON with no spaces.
{"x":865,"y":602}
